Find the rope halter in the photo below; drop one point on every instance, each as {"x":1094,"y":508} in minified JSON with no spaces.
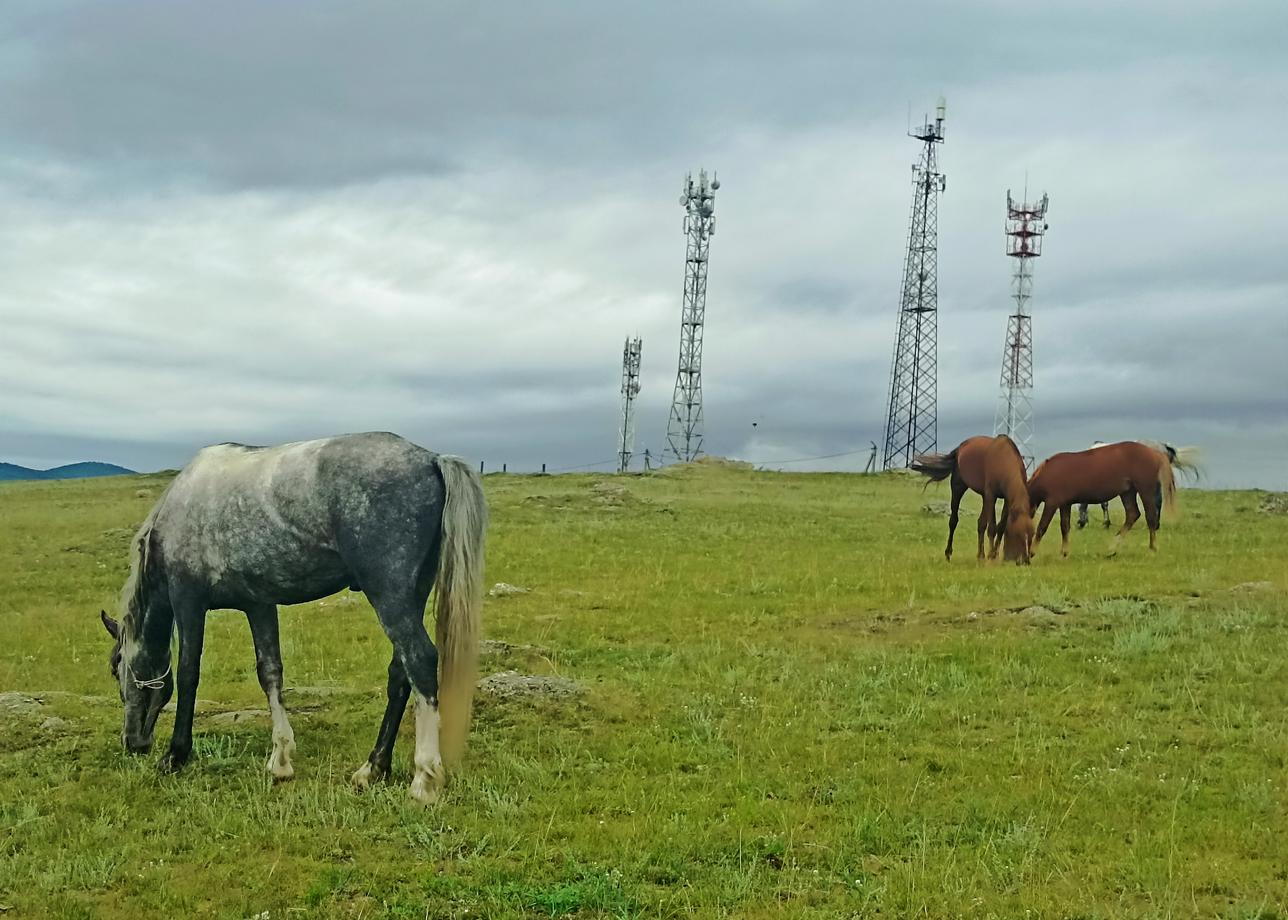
{"x":156,"y":683}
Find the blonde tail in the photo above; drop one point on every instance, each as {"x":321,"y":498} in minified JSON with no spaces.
{"x":1167,"y":484}
{"x":460,"y":601}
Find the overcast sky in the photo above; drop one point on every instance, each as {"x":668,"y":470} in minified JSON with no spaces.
{"x":262,"y":222}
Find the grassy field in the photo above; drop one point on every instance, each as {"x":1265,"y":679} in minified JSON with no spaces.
{"x":793,"y":707}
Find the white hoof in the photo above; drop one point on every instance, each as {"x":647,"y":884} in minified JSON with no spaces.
{"x":361,"y":778}
{"x":427,"y":784}
{"x":279,"y":762}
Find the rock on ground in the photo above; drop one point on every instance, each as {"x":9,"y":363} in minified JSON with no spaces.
{"x":501,"y":589}
{"x":513,"y":685}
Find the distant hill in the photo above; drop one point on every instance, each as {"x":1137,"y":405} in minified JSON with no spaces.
{"x":11,"y":471}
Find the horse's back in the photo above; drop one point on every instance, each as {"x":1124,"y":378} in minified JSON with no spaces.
{"x":300,"y":519}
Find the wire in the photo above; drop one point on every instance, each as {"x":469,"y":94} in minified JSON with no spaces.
{"x":584,"y":466}
{"x":846,"y":453}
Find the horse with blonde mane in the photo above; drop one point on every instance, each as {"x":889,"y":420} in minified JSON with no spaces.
{"x":1127,"y":470}
{"x":993,"y":467}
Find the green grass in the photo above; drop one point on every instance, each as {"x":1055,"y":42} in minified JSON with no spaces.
{"x":794,"y":708}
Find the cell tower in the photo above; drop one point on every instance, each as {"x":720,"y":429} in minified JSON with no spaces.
{"x":1025,"y":226}
{"x":911,"y":422}
{"x":684,"y":430}
{"x":630,"y":389}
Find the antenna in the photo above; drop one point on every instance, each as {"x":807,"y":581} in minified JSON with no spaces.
{"x":1025,"y":229}
{"x":630,"y":389}
{"x":911,"y":417}
{"x":684,"y":431}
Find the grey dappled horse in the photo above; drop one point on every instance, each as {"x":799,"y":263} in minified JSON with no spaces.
{"x":249,"y":528}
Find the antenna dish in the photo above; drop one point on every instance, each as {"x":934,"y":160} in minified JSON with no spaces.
{"x":942,"y":109}
{"x":715,"y":183}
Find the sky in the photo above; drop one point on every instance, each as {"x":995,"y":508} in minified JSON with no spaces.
{"x":265,"y":222}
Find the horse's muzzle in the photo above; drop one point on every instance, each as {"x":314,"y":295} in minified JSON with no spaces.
{"x":136,"y":745}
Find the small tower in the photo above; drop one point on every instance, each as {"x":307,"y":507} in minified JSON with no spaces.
{"x":911,"y":417}
{"x":630,"y":389}
{"x":684,"y":430}
{"x":1025,"y":228}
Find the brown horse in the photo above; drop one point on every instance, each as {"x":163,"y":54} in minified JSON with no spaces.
{"x":994,"y":468}
{"x":1127,"y":469}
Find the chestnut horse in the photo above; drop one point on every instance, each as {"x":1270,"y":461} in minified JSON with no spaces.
{"x":1126,"y":469}
{"x":994,"y":468}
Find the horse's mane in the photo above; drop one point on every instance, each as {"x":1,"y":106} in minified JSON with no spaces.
{"x":135,"y":590}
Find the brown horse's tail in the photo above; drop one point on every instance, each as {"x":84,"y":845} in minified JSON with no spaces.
{"x":937,"y":467}
{"x":1167,"y":485}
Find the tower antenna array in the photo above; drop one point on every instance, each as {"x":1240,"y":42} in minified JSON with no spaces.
{"x":630,"y":389}
{"x":684,"y":430}
{"x":911,"y":418}
{"x":1025,"y":227}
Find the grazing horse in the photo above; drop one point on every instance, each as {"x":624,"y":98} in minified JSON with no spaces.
{"x":1104,"y":506}
{"x":993,"y":467}
{"x":1127,"y":469}
{"x":249,"y":528}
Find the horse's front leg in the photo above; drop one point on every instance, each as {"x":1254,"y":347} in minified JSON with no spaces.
{"x":986,"y":519}
{"x":191,"y":623}
{"x":1065,"y":515}
{"x":268,"y":667}
{"x":1048,"y":512}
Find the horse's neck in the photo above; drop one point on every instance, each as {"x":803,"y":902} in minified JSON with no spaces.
{"x":155,"y":627}
{"x":1017,"y":492}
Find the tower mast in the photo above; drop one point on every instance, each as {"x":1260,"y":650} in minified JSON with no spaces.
{"x":911,"y":417}
{"x":1025,"y":228}
{"x":630,"y":389}
{"x":684,"y":431}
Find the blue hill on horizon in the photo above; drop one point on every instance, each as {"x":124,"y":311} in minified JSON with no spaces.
{"x":12,"y":472}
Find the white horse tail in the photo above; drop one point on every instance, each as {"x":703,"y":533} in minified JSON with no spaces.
{"x":460,"y":600}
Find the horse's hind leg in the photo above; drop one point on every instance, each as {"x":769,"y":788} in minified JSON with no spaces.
{"x":959,"y":489}
{"x":1133,"y":513}
{"x":378,"y":764}
{"x":1104,"y":508}
{"x":1082,"y":515}
{"x":1153,"y":509}
{"x":268,"y":667}
{"x":402,"y":617}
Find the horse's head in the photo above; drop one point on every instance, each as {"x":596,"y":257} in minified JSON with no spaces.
{"x":143,"y":688}
{"x":1017,"y":545}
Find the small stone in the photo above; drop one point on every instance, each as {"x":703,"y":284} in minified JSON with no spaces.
{"x":53,"y":723}
{"x":936,"y":509}
{"x":973,"y":615}
{"x":501,"y":589}
{"x":1039,"y":610}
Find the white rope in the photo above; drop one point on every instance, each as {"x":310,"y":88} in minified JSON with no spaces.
{"x":155,"y":683}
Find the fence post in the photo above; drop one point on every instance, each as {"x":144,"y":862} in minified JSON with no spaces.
{"x":480,"y":467}
{"x":503,"y":467}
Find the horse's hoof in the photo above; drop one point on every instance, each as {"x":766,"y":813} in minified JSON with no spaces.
{"x":281,"y":772}
{"x":363,"y":777}
{"x":171,"y":762}
{"x":424,"y":790}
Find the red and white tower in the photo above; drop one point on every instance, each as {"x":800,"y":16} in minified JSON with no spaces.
{"x":1025,"y":227}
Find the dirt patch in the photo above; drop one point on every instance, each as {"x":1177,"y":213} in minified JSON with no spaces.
{"x":1274,"y":503}
{"x":509,"y":685}
{"x":1248,"y":586}
{"x":936,"y":509}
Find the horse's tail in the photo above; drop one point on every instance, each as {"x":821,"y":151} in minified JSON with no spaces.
{"x":1185,"y":459}
{"x":460,"y":600}
{"x":1167,"y":485}
{"x":937,"y":467}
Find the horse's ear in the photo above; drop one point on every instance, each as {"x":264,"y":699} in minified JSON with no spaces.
{"x":113,"y":628}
